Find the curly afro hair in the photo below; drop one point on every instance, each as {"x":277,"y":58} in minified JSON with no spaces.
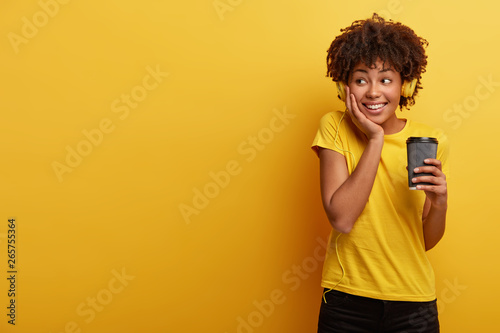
{"x":375,"y":38}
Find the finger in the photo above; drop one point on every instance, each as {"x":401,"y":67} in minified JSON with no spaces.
{"x":434,"y":162}
{"x":347,"y":97}
{"x":358,"y":115}
{"x":429,"y":179}
{"x":432,"y":188}
{"x":429,"y":169}
{"x":427,"y":188}
{"x":354,"y":105}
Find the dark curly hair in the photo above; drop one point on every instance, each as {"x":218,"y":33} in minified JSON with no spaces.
{"x":367,"y":40}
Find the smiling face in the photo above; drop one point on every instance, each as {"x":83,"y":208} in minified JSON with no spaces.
{"x":377,"y":90}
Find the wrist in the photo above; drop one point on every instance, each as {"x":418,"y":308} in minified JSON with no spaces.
{"x":439,"y":206}
{"x":376,"y":138}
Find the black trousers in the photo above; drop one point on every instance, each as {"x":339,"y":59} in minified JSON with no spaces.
{"x":346,"y":313}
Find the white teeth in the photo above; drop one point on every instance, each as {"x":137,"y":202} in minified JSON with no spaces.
{"x":375,"y":106}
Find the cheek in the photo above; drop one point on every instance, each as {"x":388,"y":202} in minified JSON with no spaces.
{"x":357,"y":92}
{"x":394,"y":95}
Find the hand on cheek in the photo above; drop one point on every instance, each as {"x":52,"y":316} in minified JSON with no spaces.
{"x":367,"y":126}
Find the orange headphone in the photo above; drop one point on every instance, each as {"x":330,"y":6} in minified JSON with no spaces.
{"x":407,"y":89}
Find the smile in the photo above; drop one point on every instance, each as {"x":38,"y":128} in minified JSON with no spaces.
{"x":374,"y":106}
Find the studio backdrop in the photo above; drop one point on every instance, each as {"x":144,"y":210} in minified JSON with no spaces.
{"x":157,"y":175}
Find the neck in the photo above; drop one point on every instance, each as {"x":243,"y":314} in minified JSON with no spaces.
{"x":393,"y":125}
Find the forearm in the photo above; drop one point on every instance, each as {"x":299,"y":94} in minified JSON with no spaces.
{"x":348,"y":201}
{"x":434,"y":226}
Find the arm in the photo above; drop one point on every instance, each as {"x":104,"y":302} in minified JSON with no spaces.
{"x":344,"y":197}
{"x":436,"y":202}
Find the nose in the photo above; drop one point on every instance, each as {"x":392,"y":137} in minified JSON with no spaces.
{"x":373,"y":91}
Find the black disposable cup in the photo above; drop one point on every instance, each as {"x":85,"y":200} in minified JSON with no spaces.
{"x":418,"y":149}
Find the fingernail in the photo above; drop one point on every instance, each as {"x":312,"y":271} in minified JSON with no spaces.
{"x":416,"y":169}
{"x":419,"y":187}
{"x":414,"y":180}
{"x":426,"y":160}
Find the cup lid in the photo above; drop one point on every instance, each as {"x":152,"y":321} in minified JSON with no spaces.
{"x":421,"y":139}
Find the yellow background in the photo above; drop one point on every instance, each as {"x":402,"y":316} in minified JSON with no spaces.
{"x":248,"y":260}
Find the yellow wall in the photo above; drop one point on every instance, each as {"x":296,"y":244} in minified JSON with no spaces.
{"x":116,"y":115}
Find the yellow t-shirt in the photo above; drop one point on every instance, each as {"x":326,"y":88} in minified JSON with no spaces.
{"x":384,"y":254}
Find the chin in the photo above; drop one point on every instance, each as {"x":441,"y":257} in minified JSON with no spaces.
{"x":377,"y":119}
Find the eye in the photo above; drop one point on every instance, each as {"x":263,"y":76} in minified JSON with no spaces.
{"x":386,"y":81}
{"x":360,"y":81}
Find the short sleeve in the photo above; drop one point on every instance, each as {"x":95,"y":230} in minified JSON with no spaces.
{"x":327,"y":133}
